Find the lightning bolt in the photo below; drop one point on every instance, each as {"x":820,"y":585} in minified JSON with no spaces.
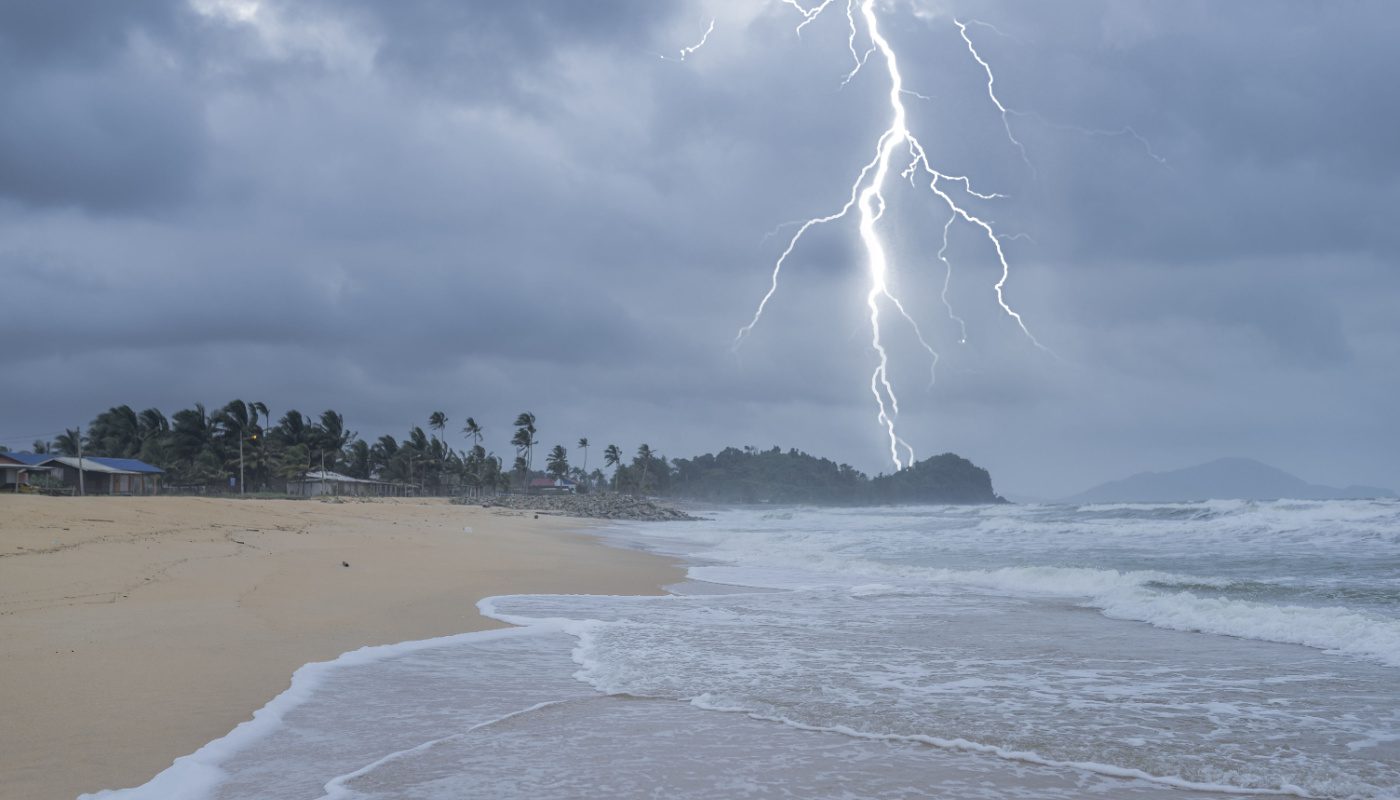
{"x":867,"y":198}
{"x":705,"y":37}
{"x":948,"y":280}
{"x":991,"y":91}
{"x":1126,"y":130}
{"x":689,"y":51}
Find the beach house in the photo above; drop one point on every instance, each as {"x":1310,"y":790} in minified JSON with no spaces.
{"x":324,"y":482}
{"x":553,"y":486}
{"x":102,"y":475}
{"x":14,"y":473}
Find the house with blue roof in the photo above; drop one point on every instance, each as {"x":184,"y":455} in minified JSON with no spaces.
{"x":15,"y":473}
{"x":102,"y":475}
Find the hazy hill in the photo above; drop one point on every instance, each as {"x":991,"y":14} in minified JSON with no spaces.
{"x":1225,"y":478}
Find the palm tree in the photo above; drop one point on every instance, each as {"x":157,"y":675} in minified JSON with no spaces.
{"x":359,"y":455}
{"x":558,"y":461}
{"x":240,"y":419}
{"x":583,"y":443}
{"x":260,"y":417}
{"x":644,"y":453}
{"x":473,"y":430}
{"x":294,"y":463}
{"x":384,"y":458}
{"x":115,"y":432}
{"x":291,"y":430}
{"x":191,"y":435}
{"x":69,"y":443}
{"x":525,"y":437}
{"x":612,"y":457}
{"x":417,"y":448}
{"x":155,"y":435}
{"x":330,"y":436}
{"x":438,"y":422}
{"x":521,"y":441}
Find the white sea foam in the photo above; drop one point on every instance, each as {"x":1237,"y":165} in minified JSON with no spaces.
{"x":1014,"y":681}
{"x":1312,"y":546}
{"x":954,"y":628}
{"x":1029,"y":757}
{"x":197,"y":775}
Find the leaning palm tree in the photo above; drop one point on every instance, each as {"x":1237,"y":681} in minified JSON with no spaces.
{"x":192,"y":433}
{"x":240,"y":419}
{"x":260,"y":417}
{"x":644,"y":454}
{"x":521,"y":441}
{"x":69,"y":443}
{"x":329,"y":436}
{"x":473,"y":430}
{"x":558,"y":462}
{"x":525,"y":434}
{"x":583,"y":444}
{"x":612,"y":457}
{"x":438,"y":422}
{"x":115,"y":432}
{"x":153,"y":423}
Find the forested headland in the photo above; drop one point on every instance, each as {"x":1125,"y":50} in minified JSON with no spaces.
{"x":748,"y":475}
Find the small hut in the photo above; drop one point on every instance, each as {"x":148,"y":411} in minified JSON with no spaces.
{"x":325,"y":482}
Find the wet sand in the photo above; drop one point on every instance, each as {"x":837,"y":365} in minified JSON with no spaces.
{"x":134,"y":630}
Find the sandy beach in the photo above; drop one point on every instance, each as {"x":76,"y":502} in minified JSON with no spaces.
{"x":134,"y":630}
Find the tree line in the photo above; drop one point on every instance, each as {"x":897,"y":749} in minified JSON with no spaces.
{"x":238,"y":446}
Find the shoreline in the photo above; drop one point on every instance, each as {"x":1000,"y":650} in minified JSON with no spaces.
{"x":136,"y":630}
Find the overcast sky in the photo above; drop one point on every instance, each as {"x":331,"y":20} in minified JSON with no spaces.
{"x":487,"y":207}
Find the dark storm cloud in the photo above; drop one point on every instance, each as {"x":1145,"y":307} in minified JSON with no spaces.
{"x":95,"y":114}
{"x":496,"y":51}
{"x":100,"y":141}
{"x":480,"y":207}
{"x":78,"y":33}
{"x":1268,"y":113}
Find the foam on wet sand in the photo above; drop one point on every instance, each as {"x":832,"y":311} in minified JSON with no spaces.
{"x":135,"y":630}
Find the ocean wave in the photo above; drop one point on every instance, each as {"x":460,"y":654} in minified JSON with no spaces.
{"x":1025,"y":756}
{"x":1163,"y":599}
{"x":199,"y":775}
{"x":1133,"y":596}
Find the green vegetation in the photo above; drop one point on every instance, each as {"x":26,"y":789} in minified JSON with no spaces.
{"x":557,"y":462}
{"x":236,"y":447}
{"x":774,"y":476}
{"x":202,"y":449}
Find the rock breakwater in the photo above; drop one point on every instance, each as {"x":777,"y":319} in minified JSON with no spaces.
{"x":592,"y":506}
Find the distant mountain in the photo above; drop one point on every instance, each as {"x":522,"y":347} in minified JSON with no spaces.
{"x":1225,"y":478}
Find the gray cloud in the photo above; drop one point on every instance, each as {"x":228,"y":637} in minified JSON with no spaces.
{"x":488,"y":207}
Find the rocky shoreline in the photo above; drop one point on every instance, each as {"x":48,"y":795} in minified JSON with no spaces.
{"x":591,"y":506}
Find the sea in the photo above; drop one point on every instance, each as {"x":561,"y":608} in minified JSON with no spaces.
{"x":1193,"y":650}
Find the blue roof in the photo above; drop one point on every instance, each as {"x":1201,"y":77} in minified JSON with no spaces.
{"x":132,"y":464}
{"x":129,"y":464}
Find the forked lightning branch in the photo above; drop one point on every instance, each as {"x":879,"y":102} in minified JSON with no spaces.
{"x":899,"y":153}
